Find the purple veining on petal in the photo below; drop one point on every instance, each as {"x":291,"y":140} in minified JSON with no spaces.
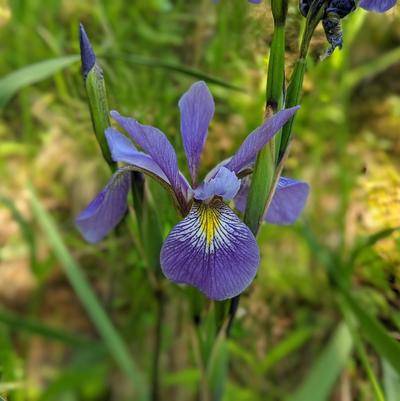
{"x":224,"y":184}
{"x":258,"y":138}
{"x":156,"y":144}
{"x":123,"y":150}
{"x":106,"y":209}
{"x":287,"y":204}
{"x":379,"y":6}
{"x":197,"y":110}
{"x":212,"y":250}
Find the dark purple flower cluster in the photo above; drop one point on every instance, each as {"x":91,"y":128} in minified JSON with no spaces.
{"x":337,"y":10}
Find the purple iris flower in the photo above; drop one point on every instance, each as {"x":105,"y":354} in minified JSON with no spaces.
{"x":379,"y":6}
{"x":211,"y":248}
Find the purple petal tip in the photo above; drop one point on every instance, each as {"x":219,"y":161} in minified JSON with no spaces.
{"x":88,"y":57}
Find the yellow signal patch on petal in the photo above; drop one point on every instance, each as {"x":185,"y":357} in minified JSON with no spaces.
{"x":209,"y":221}
{"x":211,"y":249}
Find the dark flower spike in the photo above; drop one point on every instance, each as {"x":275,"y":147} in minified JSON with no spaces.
{"x":211,"y":249}
{"x":336,"y":11}
{"x":379,"y":6}
{"x":287,"y":203}
{"x":87,"y":54}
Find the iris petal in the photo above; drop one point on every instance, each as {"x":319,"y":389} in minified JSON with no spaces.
{"x":123,"y":150}
{"x":379,"y":6}
{"x":106,"y":209}
{"x":212,"y":250}
{"x":258,"y":138}
{"x":287,"y":203}
{"x":197,"y":110}
{"x":224,"y":184}
{"x":156,"y":144}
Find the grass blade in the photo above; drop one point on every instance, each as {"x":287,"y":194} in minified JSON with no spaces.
{"x":362,"y":353}
{"x":391,"y":382}
{"x":178,"y":68}
{"x":38,"y":328}
{"x":374,"y":332}
{"x":323,"y":375}
{"x":26,"y":229}
{"x":372,"y":68}
{"x":13,"y":82}
{"x":111,"y":338}
{"x":288,"y":345}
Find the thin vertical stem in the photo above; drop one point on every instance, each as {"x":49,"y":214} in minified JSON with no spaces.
{"x":295,"y":86}
{"x":156,"y":370}
{"x":264,"y":171}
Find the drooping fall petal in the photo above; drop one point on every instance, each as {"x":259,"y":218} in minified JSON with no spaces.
{"x":106,"y":210}
{"x":287,"y":203}
{"x":212,"y":250}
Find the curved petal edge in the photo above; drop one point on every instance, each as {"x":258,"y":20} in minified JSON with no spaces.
{"x":106,"y":210}
{"x":212,"y":250}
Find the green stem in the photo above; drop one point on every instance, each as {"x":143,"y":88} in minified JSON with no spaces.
{"x":99,"y":111}
{"x":155,"y":388}
{"x":295,"y":86}
{"x":362,"y":353}
{"x":264,"y":171}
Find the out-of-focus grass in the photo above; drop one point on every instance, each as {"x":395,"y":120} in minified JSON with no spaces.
{"x":346,"y":142}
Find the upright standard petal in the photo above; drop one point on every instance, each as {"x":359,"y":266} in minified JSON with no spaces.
{"x":224,"y":184}
{"x":258,"y":138}
{"x":156,"y":144}
{"x":123,"y":150}
{"x":197,"y":110}
{"x":379,"y":6}
{"x":287,"y":203}
{"x":212,"y":250}
{"x":106,"y":209}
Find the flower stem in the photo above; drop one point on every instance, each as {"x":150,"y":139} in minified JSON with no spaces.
{"x":269,"y":160}
{"x":96,"y":94}
{"x":264,"y":169}
{"x":155,"y":379}
{"x":295,"y":86}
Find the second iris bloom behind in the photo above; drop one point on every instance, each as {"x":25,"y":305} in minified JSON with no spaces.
{"x":211,"y":248}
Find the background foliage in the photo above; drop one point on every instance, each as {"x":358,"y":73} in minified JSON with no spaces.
{"x":297,"y":336}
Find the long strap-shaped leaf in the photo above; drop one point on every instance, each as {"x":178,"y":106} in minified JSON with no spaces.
{"x":108,"y":332}
{"x":15,"y":81}
{"x":323,"y":375}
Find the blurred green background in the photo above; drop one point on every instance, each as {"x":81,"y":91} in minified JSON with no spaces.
{"x":288,"y":342}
